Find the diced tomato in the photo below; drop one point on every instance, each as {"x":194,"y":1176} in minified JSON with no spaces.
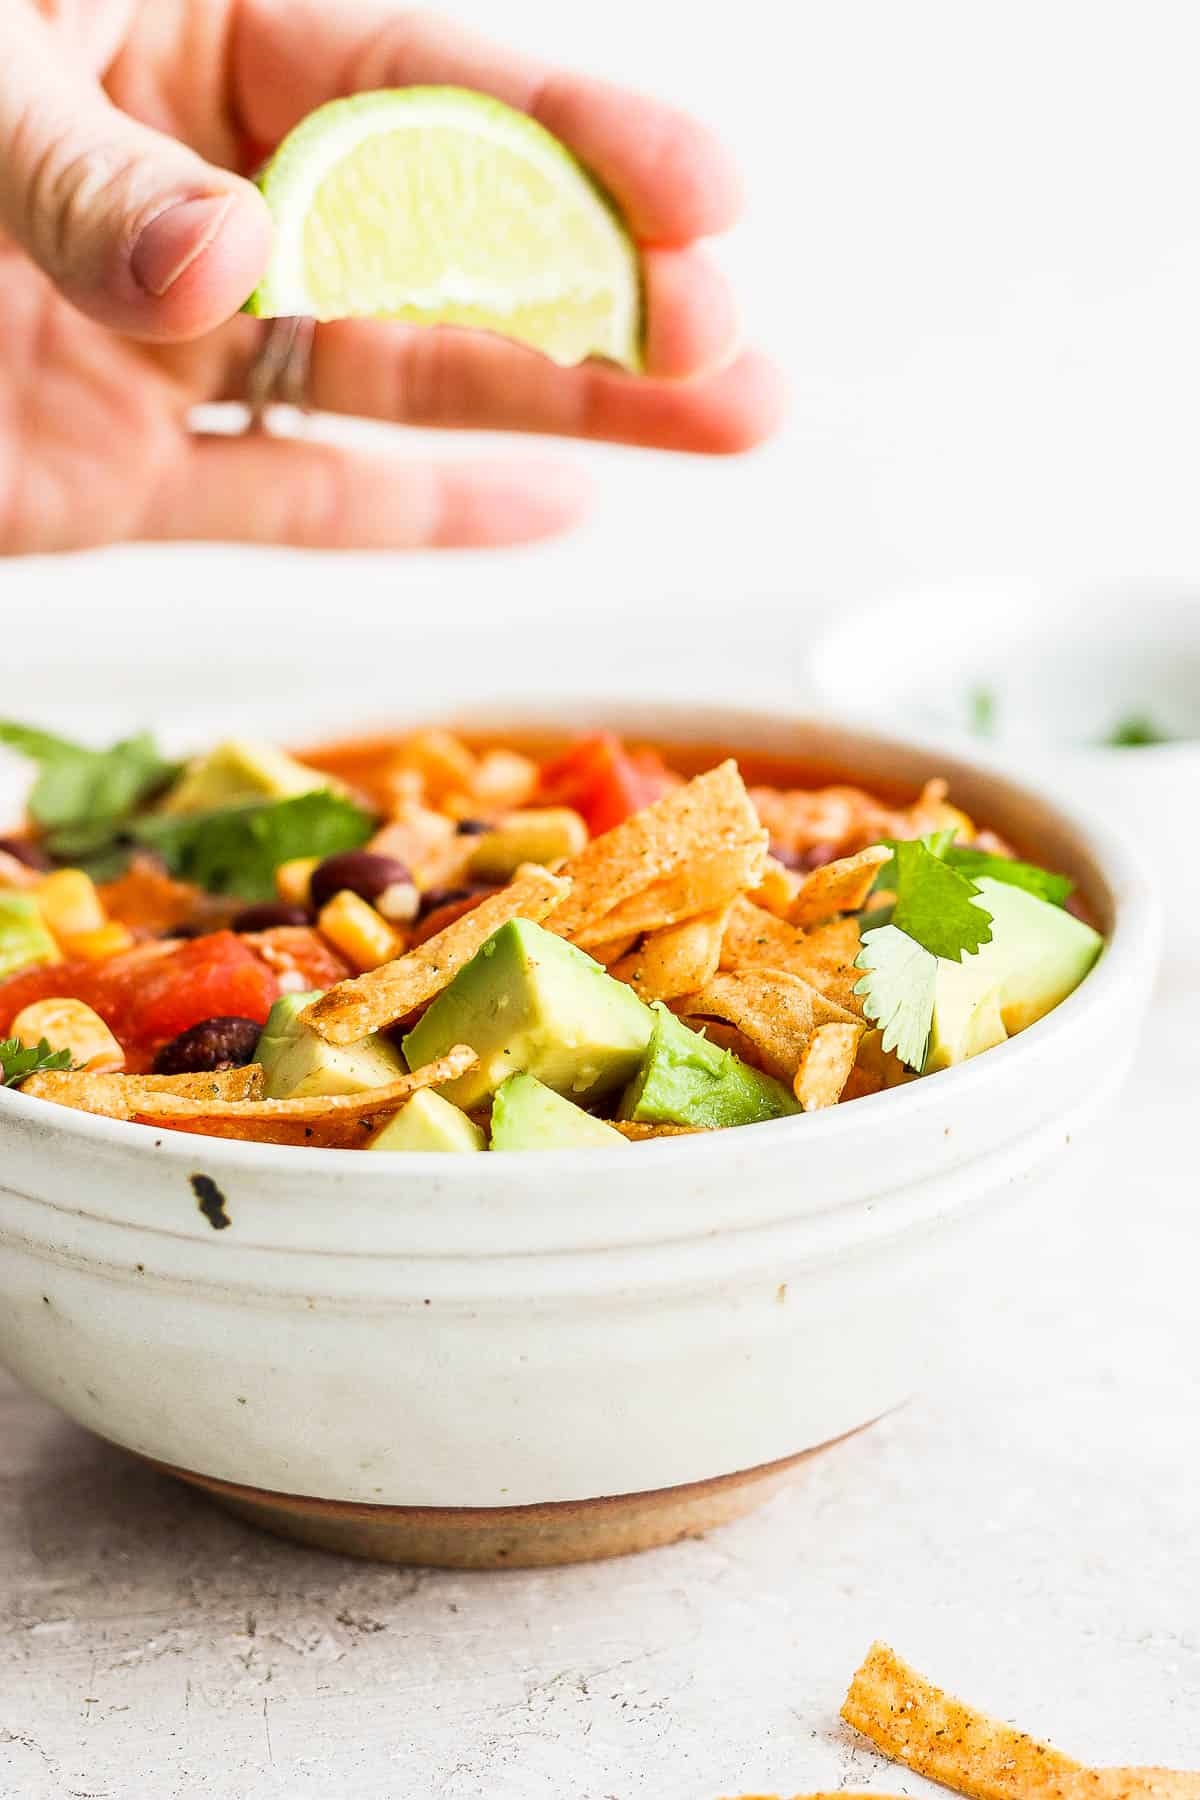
{"x":151,"y":994}
{"x":604,"y":781}
{"x":206,"y":978}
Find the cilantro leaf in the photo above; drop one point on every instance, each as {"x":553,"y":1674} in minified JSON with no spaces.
{"x":898,"y":991}
{"x":936,"y":842}
{"x":237,"y":850}
{"x":936,"y":906}
{"x":17,"y":1063}
{"x":77,"y":785}
{"x":1040,"y":882}
{"x":1134,"y":732}
{"x":971,"y":862}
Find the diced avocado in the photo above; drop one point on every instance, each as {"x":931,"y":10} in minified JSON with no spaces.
{"x":297,"y":1062}
{"x":528,"y":1115}
{"x":1039,"y":953}
{"x":686,"y":1080}
{"x":427,"y":1122}
{"x":238,"y":772}
{"x":529,"y":1001}
{"x":23,"y":934}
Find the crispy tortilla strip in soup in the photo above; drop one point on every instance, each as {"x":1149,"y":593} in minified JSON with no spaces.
{"x":708,"y":882}
{"x":120,"y":1096}
{"x":839,"y":887}
{"x":354,"y":1008}
{"x":710,"y":813}
{"x":778,"y":1012}
{"x":677,"y":959}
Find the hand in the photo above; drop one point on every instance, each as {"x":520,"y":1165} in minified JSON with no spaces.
{"x":132,"y":243}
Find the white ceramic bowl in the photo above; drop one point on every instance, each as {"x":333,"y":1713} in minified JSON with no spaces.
{"x":370,"y":1336}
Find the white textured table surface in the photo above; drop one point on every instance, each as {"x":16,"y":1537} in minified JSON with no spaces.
{"x":1026,"y":1532}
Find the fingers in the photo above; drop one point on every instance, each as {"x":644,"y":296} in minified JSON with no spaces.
{"x":262,"y":490}
{"x":136,"y":230}
{"x":671,"y":176}
{"x":450,"y":378}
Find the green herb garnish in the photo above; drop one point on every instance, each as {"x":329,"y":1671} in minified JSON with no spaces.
{"x":935,"y":905}
{"x":238,"y":849}
{"x":17,"y":1063}
{"x":1134,"y":732}
{"x":968,"y":861}
{"x":936,"y":914}
{"x":898,"y":991}
{"x":77,"y":786}
{"x":981,"y":711}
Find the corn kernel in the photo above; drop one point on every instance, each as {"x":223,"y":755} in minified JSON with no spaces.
{"x":547,"y":835}
{"x":69,"y":903}
{"x":292,"y":879}
{"x":70,"y":1025}
{"x":105,"y":940}
{"x":363,"y":936}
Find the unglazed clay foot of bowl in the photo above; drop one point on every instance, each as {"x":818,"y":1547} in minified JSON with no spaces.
{"x":536,"y":1358}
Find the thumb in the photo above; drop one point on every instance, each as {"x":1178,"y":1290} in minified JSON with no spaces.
{"x":134,"y":228}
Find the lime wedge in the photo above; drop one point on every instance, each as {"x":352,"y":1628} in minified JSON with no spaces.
{"x":440,"y":206}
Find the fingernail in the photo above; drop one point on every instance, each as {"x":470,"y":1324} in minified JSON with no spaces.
{"x":168,"y":246}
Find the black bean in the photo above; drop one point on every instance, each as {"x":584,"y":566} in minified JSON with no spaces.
{"x":436,"y":897}
{"x":818,"y":855}
{"x":25,"y":851}
{"x":189,"y":928}
{"x":789,"y":858}
{"x":269,"y":915}
{"x":472,"y":827}
{"x":362,"y":871}
{"x":226,"y":1043}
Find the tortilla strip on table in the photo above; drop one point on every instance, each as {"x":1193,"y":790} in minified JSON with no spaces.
{"x":676,"y":959}
{"x":353,"y":1009}
{"x":776,"y":1010}
{"x":711,"y":812}
{"x":940,"y":1737}
{"x":119,"y":1096}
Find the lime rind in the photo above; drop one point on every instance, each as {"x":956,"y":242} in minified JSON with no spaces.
{"x":565,"y":276}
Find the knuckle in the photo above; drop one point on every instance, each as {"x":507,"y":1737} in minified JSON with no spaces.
{"x":316,"y":514}
{"x":72,"y":178}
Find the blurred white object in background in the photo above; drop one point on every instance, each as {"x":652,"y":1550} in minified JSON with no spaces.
{"x":1045,"y":680}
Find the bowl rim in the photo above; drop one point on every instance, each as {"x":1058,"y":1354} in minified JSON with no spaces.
{"x":1131,"y":941}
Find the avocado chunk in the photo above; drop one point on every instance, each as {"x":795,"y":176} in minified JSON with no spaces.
{"x":297,"y":1062}
{"x":238,"y":772}
{"x":1039,"y":954}
{"x":24,"y":938}
{"x":528,"y":1115}
{"x":427,"y":1122}
{"x":686,"y":1080}
{"x":530,"y":1002}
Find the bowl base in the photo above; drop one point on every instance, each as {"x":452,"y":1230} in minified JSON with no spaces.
{"x":504,"y":1537}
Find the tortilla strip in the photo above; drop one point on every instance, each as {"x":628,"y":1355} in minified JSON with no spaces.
{"x":611,"y":950}
{"x":776,"y":1010}
{"x":676,"y":959}
{"x":709,"y":879}
{"x":310,"y":1107}
{"x":824,"y":958}
{"x":711,"y":812}
{"x":939,"y":1737}
{"x":726,"y":1037}
{"x":826,"y":1065}
{"x":637,"y":1131}
{"x":352,"y":1009}
{"x":121,"y":1096}
{"x":838,"y":887}
{"x":777,"y":889}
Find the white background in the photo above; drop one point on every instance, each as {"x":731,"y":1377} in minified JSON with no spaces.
{"x":973,"y":243}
